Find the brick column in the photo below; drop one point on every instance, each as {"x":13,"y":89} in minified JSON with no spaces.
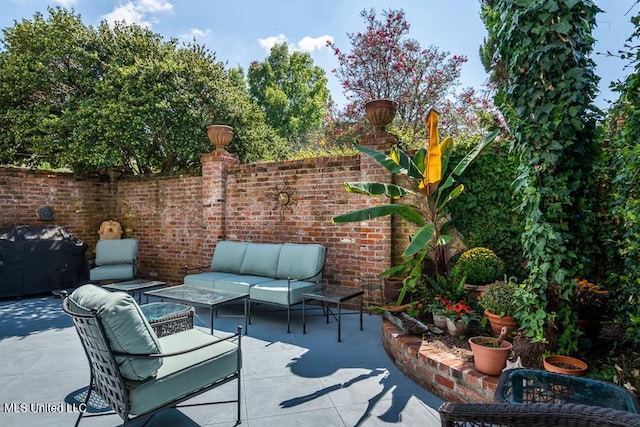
{"x":214,"y":191}
{"x":376,"y":235}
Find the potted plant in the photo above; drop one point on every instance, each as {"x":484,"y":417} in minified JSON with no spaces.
{"x":438,"y":308}
{"x":500,"y":304}
{"x":564,"y":365}
{"x":589,"y":302}
{"x":431,"y":185}
{"x":478,"y":267}
{"x":490,"y":354}
{"x":458,"y":316}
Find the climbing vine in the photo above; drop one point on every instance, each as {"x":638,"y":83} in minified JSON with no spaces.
{"x":538,"y":54}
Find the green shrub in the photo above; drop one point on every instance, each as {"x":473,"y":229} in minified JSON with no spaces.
{"x":480,"y":266}
{"x":500,"y":298}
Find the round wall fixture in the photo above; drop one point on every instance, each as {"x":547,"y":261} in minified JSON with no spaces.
{"x":45,"y":213}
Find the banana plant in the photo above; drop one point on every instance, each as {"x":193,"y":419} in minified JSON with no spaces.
{"x":431,"y":191}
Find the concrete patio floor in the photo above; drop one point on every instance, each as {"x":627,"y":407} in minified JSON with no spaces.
{"x":291,"y":379}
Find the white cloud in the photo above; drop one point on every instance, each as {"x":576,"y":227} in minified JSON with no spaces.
{"x":306,"y":44}
{"x":135,"y":12}
{"x":309,"y":44}
{"x":154,"y":6}
{"x":269,"y":42}
{"x":195,"y":33}
{"x":66,"y":3}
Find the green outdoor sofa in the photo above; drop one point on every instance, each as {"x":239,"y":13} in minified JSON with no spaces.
{"x":270,"y":273}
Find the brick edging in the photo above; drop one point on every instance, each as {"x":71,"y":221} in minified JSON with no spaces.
{"x":444,"y":374}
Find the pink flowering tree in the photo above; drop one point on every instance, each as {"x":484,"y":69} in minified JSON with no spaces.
{"x":385,"y":63}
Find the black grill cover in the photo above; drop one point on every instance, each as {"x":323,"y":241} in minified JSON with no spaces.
{"x":40,"y":258}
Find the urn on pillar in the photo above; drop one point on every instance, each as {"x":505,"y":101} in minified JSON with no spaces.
{"x":220,"y":135}
{"x":380,"y":112}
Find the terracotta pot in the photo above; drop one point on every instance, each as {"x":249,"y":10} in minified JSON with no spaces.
{"x":489,"y":360}
{"x":439,"y":320}
{"x":380,"y":112}
{"x":475,"y":291}
{"x":220,"y":135}
{"x":456,"y":328}
{"x":497,"y":322}
{"x":565,"y":365}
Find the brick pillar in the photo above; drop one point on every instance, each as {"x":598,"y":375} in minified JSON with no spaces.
{"x":214,"y":190}
{"x":376,"y":235}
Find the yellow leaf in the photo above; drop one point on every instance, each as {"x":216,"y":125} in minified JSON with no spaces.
{"x":433,"y":160}
{"x":394,"y":155}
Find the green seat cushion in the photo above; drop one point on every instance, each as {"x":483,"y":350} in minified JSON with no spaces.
{"x":228,"y":256}
{"x":112,"y":272}
{"x":240,"y":283}
{"x":261,"y":259}
{"x":275,"y":291}
{"x":207,"y":279}
{"x":125,"y":326}
{"x":116,"y":251}
{"x":303,"y":262}
{"x":180,"y":375}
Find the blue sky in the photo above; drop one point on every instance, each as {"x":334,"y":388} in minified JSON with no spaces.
{"x":240,"y":31}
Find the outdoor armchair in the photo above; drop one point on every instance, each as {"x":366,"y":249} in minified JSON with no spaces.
{"x":533,"y":414}
{"x":116,"y":259}
{"x":138,"y":374}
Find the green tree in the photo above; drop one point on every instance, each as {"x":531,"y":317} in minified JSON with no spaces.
{"x":291,"y":90}
{"x":85,"y":98}
{"x":385,"y":63}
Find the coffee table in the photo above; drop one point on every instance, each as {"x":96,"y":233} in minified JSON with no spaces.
{"x":332,"y":295}
{"x":131,"y":286}
{"x":204,"y":297}
{"x":168,"y":318}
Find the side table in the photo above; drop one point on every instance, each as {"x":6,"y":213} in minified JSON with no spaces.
{"x":331,"y":295}
{"x":168,"y":318}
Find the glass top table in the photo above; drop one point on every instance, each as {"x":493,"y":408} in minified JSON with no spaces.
{"x":331,"y":295}
{"x":195,"y":295}
{"x":131,"y":286}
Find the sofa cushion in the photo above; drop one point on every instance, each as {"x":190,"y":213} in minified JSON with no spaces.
{"x":240,"y":283}
{"x":116,"y":251}
{"x":261,"y":259}
{"x":207,"y":279}
{"x":228,"y":256}
{"x":112,"y":272}
{"x":302,"y":262}
{"x":125,"y":326}
{"x":182,"y":374}
{"x":275,"y":291}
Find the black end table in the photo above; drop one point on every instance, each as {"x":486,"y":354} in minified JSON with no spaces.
{"x":331,"y":295}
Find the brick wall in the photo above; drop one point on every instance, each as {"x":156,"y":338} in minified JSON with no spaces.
{"x":179,"y":219}
{"x":447,"y":376}
{"x":80,"y":204}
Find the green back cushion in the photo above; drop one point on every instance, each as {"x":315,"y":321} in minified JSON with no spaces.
{"x":301,"y":262}
{"x":116,"y":251}
{"x":228,"y":257}
{"x":125,"y":326}
{"x":261,"y":259}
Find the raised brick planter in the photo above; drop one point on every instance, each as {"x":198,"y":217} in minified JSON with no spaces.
{"x":442,"y":373}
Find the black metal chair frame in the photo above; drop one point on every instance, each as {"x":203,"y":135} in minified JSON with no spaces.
{"x":109,"y":384}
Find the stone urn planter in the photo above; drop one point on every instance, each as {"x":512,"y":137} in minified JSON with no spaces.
{"x":380,"y":112}
{"x":564,"y":365}
{"x":220,"y":135}
{"x":439,"y":319}
{"x":488,"y":357}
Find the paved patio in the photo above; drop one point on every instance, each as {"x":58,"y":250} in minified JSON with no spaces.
{"x":288,"y":379}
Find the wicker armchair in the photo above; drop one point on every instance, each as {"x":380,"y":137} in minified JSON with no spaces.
{"x":533,"y":414}
{"x":192,"y":362}
{"x":532,"y":397}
